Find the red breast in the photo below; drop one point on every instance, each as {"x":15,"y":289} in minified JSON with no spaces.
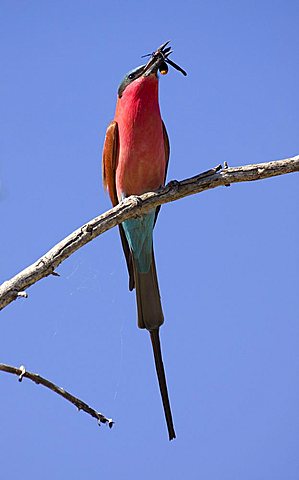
{"x":141,"y":162}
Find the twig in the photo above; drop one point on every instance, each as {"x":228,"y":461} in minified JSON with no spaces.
{"x":22,"y":372}
{"x":134,"y":206}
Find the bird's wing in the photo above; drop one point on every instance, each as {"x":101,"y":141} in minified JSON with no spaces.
{"x":109,"y":164}
{"x":109,"y":161}
{"x":167,"y":149}
{"x":167,"y":153}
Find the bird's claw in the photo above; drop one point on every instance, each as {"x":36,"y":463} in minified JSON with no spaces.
{"x":136,"y":202}
{"x":173,"y":185}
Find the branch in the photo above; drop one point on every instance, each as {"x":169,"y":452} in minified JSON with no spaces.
{"x":21,"y":372}
{"x":135,"y":206}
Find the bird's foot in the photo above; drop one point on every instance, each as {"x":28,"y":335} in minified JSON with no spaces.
{"x":136,"y":202}
{"x":173,"y":185}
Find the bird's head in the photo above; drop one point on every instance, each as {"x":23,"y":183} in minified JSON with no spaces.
{"x":158,"y":62}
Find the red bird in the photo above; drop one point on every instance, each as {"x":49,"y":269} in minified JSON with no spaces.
{"x":135,"y":159}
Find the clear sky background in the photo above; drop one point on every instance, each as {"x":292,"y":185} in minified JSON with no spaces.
{"x":227,"y":259}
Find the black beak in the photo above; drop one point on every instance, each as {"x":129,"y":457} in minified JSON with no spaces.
{"x":153,"y":65}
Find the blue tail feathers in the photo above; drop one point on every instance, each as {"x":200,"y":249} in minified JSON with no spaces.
{"x":139,"y":233}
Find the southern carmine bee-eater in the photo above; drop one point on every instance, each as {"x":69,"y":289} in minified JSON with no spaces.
{"x":135,"y":159}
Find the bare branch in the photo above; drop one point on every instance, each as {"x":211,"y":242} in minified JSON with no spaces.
{"x":135,"y":206}
{"x":22,"y":372}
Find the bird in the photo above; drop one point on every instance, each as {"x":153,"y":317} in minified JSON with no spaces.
{"x":134,"y":161}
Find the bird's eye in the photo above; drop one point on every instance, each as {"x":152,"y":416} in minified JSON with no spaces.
{"x":163,"y":69}
{"x":131,"y":76}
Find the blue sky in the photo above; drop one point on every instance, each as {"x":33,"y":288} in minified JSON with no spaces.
{"x":227,"y":259}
